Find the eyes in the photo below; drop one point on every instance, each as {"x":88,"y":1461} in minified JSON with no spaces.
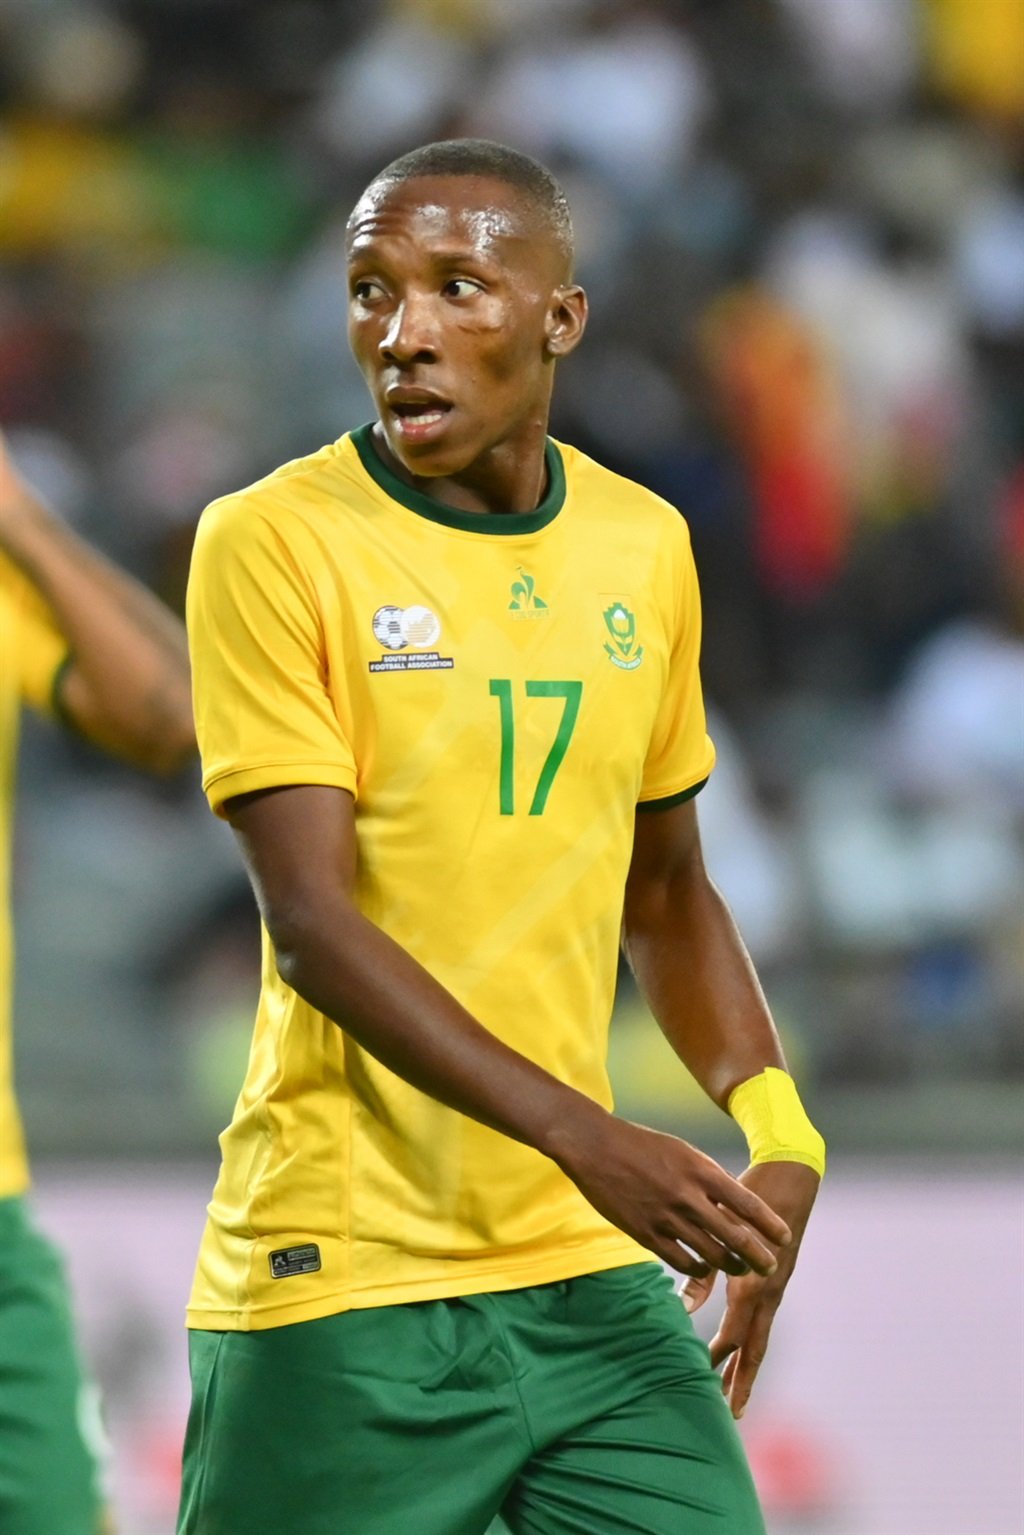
{"x":368,"y":291}
{"x":460,"y":287}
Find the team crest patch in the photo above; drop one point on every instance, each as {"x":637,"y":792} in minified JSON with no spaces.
{"x":286,"y":1261}
{"x":621,"y":646}
{"x":412,"y":630}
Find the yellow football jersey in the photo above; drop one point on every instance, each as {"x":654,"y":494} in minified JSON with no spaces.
{"x":31,"y":652}
{"x":497,"y":692}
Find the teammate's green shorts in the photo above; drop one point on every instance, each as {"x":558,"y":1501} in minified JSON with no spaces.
{"x":585,"y":1407}
{"x":49,"y":1472}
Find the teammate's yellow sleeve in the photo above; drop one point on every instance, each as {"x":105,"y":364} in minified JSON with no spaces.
{"x":681,"y":753}
{"x":265,"y":716}
{"x":40,"y":648}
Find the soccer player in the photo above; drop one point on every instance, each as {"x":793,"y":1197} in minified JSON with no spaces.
{"x":446,"y":688}
{"x":82,"y":640}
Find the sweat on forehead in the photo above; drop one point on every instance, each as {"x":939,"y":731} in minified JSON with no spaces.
{"x":519,"y":185}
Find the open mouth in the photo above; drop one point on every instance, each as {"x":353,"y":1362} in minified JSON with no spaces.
{"x":422,"y":411}
{"x":417,"y":418}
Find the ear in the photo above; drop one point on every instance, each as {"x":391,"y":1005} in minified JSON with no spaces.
{"x":565,"y":321}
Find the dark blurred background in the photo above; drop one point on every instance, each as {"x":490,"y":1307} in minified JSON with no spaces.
{"x":801,"y":226}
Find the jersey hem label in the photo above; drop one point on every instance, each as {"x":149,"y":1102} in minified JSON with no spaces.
{"x":286,"y":1261}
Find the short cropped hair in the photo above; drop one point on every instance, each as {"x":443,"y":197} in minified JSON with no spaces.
{"x":483,"y":157}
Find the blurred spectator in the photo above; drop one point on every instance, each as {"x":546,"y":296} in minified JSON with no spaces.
{"x":625,"y":95}
{"x":954,"y":734}
{"x":397,"y":85}
{"x":989,"y":262}
{"x":783,"y":408}
{"x":864,"y":52}
{"x":890,"y":323}
{"x":974,"y":51}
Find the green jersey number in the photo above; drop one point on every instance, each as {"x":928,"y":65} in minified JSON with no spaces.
{"x":570,"y":693}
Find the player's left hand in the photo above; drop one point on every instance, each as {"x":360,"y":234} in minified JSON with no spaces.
{"x":751,"y":1299}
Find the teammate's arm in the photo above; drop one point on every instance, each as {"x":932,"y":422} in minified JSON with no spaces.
{"x":299,"y":844}
{"x":693,"y":968}
{"x":126,"y":686}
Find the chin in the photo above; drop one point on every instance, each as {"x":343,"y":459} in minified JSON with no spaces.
{"x":431,"y":460}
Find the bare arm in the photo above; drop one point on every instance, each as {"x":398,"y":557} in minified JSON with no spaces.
{"x":127,"y":687}
{"x":689,"y":959}
{"x":691,"y":965}
{"x":299,"y":845}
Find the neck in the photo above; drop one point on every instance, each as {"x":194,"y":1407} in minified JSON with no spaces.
{"x":510,"y":477}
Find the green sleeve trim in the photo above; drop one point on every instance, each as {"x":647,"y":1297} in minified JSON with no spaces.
{"x":672,"y":799}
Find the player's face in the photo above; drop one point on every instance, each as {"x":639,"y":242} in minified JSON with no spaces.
{"x":458,"y":308}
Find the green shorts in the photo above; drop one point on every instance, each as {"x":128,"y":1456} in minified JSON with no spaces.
{"x":585,"y":1407}
{"x":49,"y":1466}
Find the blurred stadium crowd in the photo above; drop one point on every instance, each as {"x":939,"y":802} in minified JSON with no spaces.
{"x":801,"y":225}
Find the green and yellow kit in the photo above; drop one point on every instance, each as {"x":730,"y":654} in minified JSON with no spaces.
{"x":498,"y":693}
{"x":49,"y":1469}
{"x":31,"y":652}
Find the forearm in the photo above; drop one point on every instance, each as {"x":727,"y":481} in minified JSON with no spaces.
{"x":698,"y":979}
{"x":300,"y":846}
{"x":354,"y":973}
{"x":130,"y":689}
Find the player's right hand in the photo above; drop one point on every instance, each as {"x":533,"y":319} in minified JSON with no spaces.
{"x":670,"y":1197}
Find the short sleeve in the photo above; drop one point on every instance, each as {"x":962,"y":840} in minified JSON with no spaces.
{"x":680,"y":755}
{"x":264,"y":713}
{"x":40,"y":649}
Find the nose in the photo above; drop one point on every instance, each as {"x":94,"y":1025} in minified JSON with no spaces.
{"x":410,"y":335}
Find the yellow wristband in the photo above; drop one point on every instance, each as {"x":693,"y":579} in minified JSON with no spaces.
{"x":768,"y":1110}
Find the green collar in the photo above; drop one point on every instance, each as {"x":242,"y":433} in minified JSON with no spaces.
{"x":470,"y":522}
